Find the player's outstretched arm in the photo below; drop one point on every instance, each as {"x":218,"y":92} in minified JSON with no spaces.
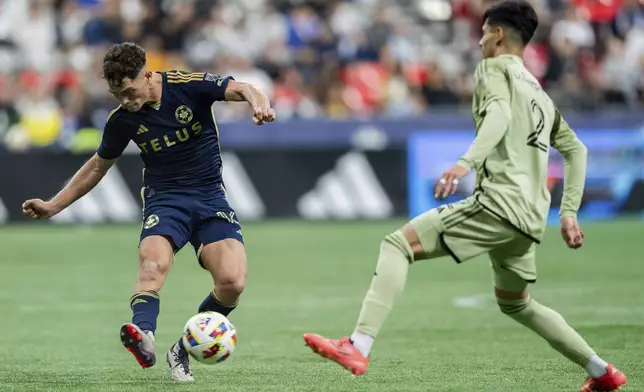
{"x":564,"y":139}
{"x":240,"y":92}
{"x":83,"y":181}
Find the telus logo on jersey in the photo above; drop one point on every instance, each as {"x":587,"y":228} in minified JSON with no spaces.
{"x":167,"y":141}
{"x":184,"y":115}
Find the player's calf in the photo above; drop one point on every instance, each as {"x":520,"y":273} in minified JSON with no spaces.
{"x":387,"y":284}
{"x":552,"y":327}
{"x":156,"y":255}
{"x":155,"y":258}
{"x":226,"y":262}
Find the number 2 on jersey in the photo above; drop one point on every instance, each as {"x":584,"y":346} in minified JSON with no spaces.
{"x":533,"y":138}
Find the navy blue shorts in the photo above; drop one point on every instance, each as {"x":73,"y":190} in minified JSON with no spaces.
{"x":188,"y":216}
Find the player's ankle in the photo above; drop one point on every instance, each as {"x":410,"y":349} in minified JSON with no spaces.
{"x":228,"y":293}
{"x":596,"y":367}
{"x":212,"y":303}
{"x":362,"y":342}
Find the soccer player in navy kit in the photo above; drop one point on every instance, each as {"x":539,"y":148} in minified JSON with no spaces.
{"x":169,"y":116}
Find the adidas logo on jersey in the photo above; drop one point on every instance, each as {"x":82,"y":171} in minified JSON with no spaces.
{"x":142,"y":129}
{"x":350,"y":191}
{"x":212,"y":78}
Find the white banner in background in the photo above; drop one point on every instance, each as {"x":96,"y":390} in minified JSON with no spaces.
{"x":110,"y":201}
{"x":350,"y":190}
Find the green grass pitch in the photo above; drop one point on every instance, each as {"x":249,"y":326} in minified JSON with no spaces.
{"x":64,"y":293}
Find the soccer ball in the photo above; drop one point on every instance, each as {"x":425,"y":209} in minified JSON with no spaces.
{"x":209,"y":337}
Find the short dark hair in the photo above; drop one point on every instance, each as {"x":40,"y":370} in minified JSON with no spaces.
{"x":518,"y":15}
{"x":122,"y":61}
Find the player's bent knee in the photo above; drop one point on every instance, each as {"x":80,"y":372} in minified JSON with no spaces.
{"x":156,"y":248}
{"x":230,"y":279}
{"x":231,"y":285}
{"x":226,"y":261}
{"x":513,"y":306}
{"x":398,"y":240}
{"x":413,"y":240}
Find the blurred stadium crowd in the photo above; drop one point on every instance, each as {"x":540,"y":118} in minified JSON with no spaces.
{"x":315,"y":58}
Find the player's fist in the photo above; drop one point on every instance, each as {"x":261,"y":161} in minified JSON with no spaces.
{"x":448,"y":183}
{"x":39,"y":209}
{"x":572,"y":235}
{"x":263,"y":115}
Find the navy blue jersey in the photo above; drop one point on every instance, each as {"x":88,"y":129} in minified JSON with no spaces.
{"x":179,"y":139}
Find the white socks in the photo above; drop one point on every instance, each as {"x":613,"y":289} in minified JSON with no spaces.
{"x":596,"y":367}
{"x":362,"y":342}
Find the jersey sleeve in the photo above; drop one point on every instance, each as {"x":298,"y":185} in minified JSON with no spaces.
{"x":493,"y":97}
{"x":492,"y":85}
{"x":564,"y":140}
{"x":114,"y":140}
{"x":490,"y":133}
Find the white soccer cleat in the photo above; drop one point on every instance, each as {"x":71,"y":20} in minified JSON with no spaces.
{"x":179,"y":363}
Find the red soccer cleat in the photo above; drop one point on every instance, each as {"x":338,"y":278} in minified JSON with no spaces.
{"x":611,"y":381}
{"x":340,"y":351}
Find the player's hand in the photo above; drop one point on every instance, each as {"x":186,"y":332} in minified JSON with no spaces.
{"x":572,"y":235}
{"x":39,"y":209}
{"x":262,"y":115}
{"x":448,"y":182}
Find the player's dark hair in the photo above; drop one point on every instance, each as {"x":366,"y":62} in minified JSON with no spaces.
{"x":122,"y":61}
{"x":518,"y":15}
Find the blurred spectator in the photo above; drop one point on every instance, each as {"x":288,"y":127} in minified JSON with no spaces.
{"x":617,"y":80}
{"x":436,"y":90}
{"x":315,"y":58}
{"x":40,"y":113}
{"x":9,"y":116}
{"x":574,"y":28}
